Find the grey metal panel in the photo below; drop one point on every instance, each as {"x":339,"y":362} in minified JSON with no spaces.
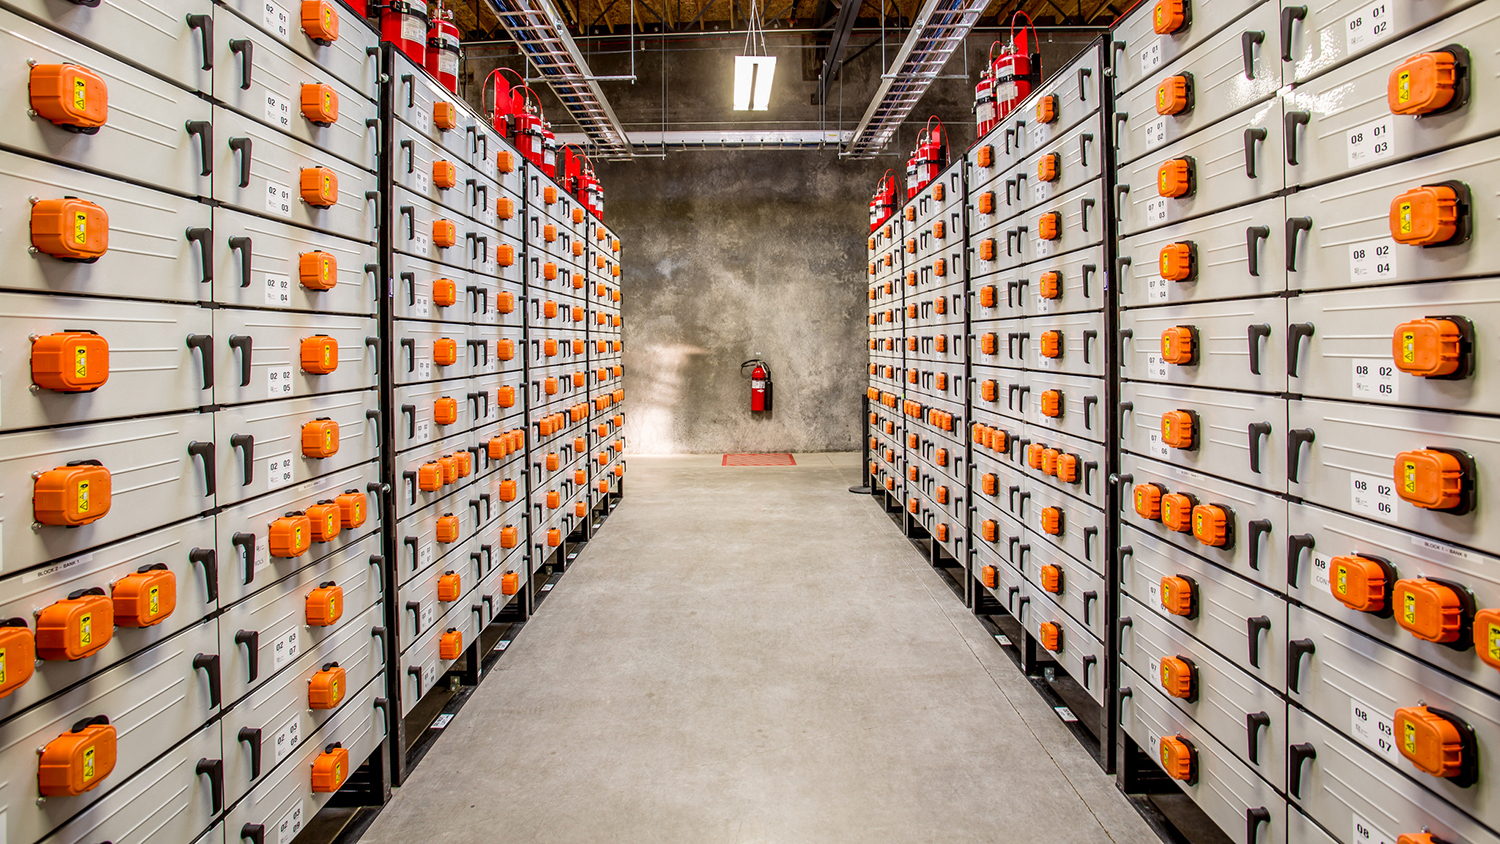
{"x":273,"y":457}
{"x":153,"y":36}
{"x":154,"y":481}
{"x":414,"y":218}
{"x":421,"y":666}
{"x":1259,"y":519}
{"x":1346,"y":790}
{"x":1226,"y":605}
{"x":420,"y":557}
{"x":413,"y":410}
{"x":1081,"y":592}
{"x":1079,"y":652}
{"x":1224,"y":243}
{"x":1230,"y":441}
{"x":153,"y":701}
{"x":1082,"y":403}
{"x":1349,"y":673}
{"x":414,"y":94}
{"x":274,"y":349}
{"x":1226,"y":789}
{"x":1082,"y":225}
{"x":1220,"y":86}
{"x":1081,"y":283}
{"x":1138,"y":53}
{"x":269,"y":629}
{"x":273,"y":280}
{"x":1300,"y":830}
{"x":23,"y":594}
{"x":146,"y":136}
{"x":353,"y":58}
{"x":1082,"y":534}
{"x":1332,"y":534}
{"x":1224,"y":697}
{"x":1224,"y":156}
{"x":560,"y":209}
{"x":1080,"y":160}
{"x":1353,"y":447}
{"x":412,"y":169}
{"x":1349,"y":354}
{"x":410,"y":499}
{"x":1349,"y":240}
{"x":421,"y":610}
{"x":151,"y":367}
{"x":262,"y":78}
{"x":1327,"y":35}
{"x":1082,"y":346}
{"x":1240,"y":344}
{"x":414,"y":348}
{"x":1091,"y":477}
{"x":268,"y":184}
{"x":412,"y":291}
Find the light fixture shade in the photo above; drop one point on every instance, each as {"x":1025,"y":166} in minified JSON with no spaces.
{"x":752,"y":82}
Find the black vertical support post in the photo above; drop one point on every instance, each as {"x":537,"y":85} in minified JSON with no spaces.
{"x":1109,"y":730}
{"x":965,"y":543}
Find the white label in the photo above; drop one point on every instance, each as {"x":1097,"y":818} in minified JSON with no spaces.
{"x":424,"y":370}
{"x":276,"y":19}
{"x":1373,"y":496}
{"x":1369,"y":25}
{"x":278,"y":290}
{"x":491,"y":218}
{"x":422,"y":119}
{"x":1157,"y":289}
{"x":429,"y":675}
{"x":1371,"y":142}
{"x":424,"y":556}
{"x":422,"y":180}
{"x":1321,"y":565}
{"x":420,"y":306}
{"x":421,"y":431}
{"x":278,"y":111}
{"x":419,"y":243}
{"x":1156,"y":448}
{"x":1002,"y":640}
{"x":1372,"y":260}
{"x":1044,"y":247}
{"x":57,"y":568}
{"x":1440,"y":548}
{"x":278,"y":199}
{"x":287,"y":738}
{"x":501,"y":645}
{"x":1156,"y":132}
{"x":1375,"y":380}
{"x":1156,"y":367}
{"x":278,"y":382}
{"x":413,"y":29}
{"x":1156,"y":210}
{"x":1373,"y":729}
{"x":1153,"y":593}
{"x":279,"y":471}
{"x":289,"y":825}
{"x":1065,"y":714}
{"x":1365,"y":833}
{"x":1151,"y":56}
{"x":547,"y":588}
{"x":448,"y":63}
{"x":1041,"y":190}
{"x":285,"y":649}
{"x":442,"y":721}
{"x":429,"y":615}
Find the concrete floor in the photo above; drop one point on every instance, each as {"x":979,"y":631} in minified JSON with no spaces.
{"x":755,"y":655}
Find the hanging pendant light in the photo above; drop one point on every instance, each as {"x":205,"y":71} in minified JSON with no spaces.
{"x":754,"y":70}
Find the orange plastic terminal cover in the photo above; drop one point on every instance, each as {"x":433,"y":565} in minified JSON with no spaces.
{"x":324,"y":605}
{"x":1034,"y":455}
{"x":1050,"y":577}
{"x":144,"y":597}
{"x":75,"y":627}
{"x":445,"y":351}
{"x":325,"y":689}
{"x":1179,"y":345}
{"x":505,"y":256}
{"x":329,"y":769}
{"x":1426,"y":215}
{"x":510,"y":582}
{"x":70,"y":361}
{"x":1177,"y":511}
{"x":1213,"y":525}
{"x":1174,"y":178}
{"x":1049,"y":636}
{"x":506,"y":396}
{"x":1052,"y":521}
{"x":990,"y":530}
{"x":1049,"y":461}
{"x":1424,"y":83}
{"x":1486,"y":640}
{"x":1050,"y":286}
{"x":1178,"y":758}
{"x":69,"y":229}
{"x":1173,"y":94}
{"x":1047,"y":167}
{"x":1358,"y":582}
{"x":430,"y":477}
{"x":989,"y":343}
{"x":17,"y":654}
{"x":987,"y":253}
{"x":320,"y":438}
{"x":1176,"y":261}
{"x":1178,"y":429}
{"x":1067,"y":468}
{"x":1051,"y":343}
{"x":1430,"y":740}
{"x":1051,"y":402}
{"x":319,"y":187}
{"x":989,"y":576}
{"x":1148,"y":501}
{"x":450,"y":586}
{"x":352,"y":511}
{"x":325,"y":520}
{"x":1430,"y":479}
{"x":448,"y":528}
{"x":985,"y":156}
{"x":509,"y":537}
{"x":318,"y":270}
{"x":71,"y":495}
{"x":505,"y":161}
{"x":319,"y":354}
{"x":1179,"y":595}
{"x":1179,"y":676}
{"x":444,"y":233}
{"x":987,"y":296}
{"x":449,"y":466}
{"x":320,"y":20}
{"x":1429,"y":610}
{"x":942,"y":495}
{"x":554,"y":535}
{"x":987,"y":202}
{"x":78,"y":760}
{"x":444,"y":115}
{"x":70,"y":96}
{"x":1430,"y":347}
{"x":444,"y":174}
{"x":320,"y":104}
{"x":1169,"y":16}
{"x":1046,"y":109}
{"x":290,"y":535}
{"x":1049,"y":225}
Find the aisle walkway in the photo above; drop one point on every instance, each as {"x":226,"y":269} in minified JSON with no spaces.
{"x":755,"y":655}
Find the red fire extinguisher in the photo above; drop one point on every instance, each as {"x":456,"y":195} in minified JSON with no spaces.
{"x":404,"y":24}
{"x":1014,"y":72}
{"x":911,"y":175}
{"x":510,"y":101}
{"x":932,"y":152}
{"x":443,"y":49}
{"x":883,"y":204}
{"x":590,"y":192}
{"x":760,"y":384}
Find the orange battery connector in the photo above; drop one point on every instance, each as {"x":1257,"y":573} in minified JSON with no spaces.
{"x":1179,"y":677}
{"x":290,"y":535}
{"x":331,"y":767}
{"x":1177,"y":512}
{"x":1046,"y":109}
{"x":444,"y":174}
{"x":507,"y":490}
{"x":70,"y":229}
{"x":1169,"y":16}
{"x":510,"y":582}
{"x":75,"y":627}
{"x":77,"y":761}
{"x":987,"y":202}
{"x":319,"y":354}
{"x":445,"y":351}
{"x":444,"y":292}
{"x":325,"y":520}
{"x":69,"y":96}
{"x":320,"y":21}
{"x":72,"y":495}
{"x":1052,"y":520}
{"x":1068,"y":468}
{"x":1213,"y":525}
{"x":1179,"y":595}
{"x":1049,"y":285}
{"x":509,"y":537}
{"x":319,"y":187}
{"x":1179,"y":345}
{"x":1049,"y":461}
{"x":1051,"y":344}
{"x":1174,"y":95}
{"x":989,"y":390}
{"x":144,"y":597}
{"x":430,"y":477}
{"x":1051,"y":403}
{"x":448,"y":528}
{"x":505,"y":256}
{"x":1047,"y":167}
{"x":444,"y":233}
{"x":320,"y":104}
{"x":554,"y":535}
{"x":1174,"y":178}
{"x":1034,"y":455}
{"x":990,"y":530}
{"x":1049,"y":636}
{"x":1433,"y":480}
{"x":989,"y":484}
{"x":505,"y":348}
{"x":942,"y":495}
{"x":1148,"y":500}
{"x":984,"y":156}
{"x":1486,"y":639}
{"x":941,"y":531}
{"x":1178,"y":759}
{"x":1050,"y":578}
{"x":1178,"y":261}
{"x":1432,"y":347}
{"x":325,"y":688}
{"x":505,"y":161}
{"x":911,"y":246}
{"x":549,"y":347}
{"x":1428,"y":215}
{"x":444,"y":115}
{"x":987,"y":253}
{"x":1433,"y":741}
{"x":939,"y":230}
{"x":445,"y":410}
{"x":1426,"y":83}
{"x":74,"y":361}
{"x":1430,"y":610}
{"x":506,"y":396}
{"x":1179,"y":429}
{"x":940,"y":457}
{"x":449,"y":464}
{"x":324,"y":605}
{"x":1049,"y":225}
{"x":1360,"y":583}
{"x":550,"y":385}
{"x":450,"y":586}
{"x":318,"y":270}
{"x":320,"y":438}
{"x":17,"y":654}
{"x":553,"y":461}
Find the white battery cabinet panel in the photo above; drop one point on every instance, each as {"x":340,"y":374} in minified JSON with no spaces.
{"x":1226,"y":789}
{"x":1074,"y":95}
{"x":1079,"y":279}
{"x":1339,"y":234}
{"x":1342,"y":120}
{"x":1138,"y":53}
{"x":266,"y":446}
{"x":1300,"y":830}
{"x":1350,"y":352}
{"x":156,"y":133}
{"x":1235,"y":345}
{"x":170,"y":39}
{"x":1091,"y":459}
{"x":410,"y":496}
{"x":421,"y":557}
{"x":427,"y":230}
{"x":413,"y":169}
{"x":158,"y":242}
{"x":1079,"y":400}
{"x":493,"y":299}
{"x":1345,"y":459}
{"x":154,"y":359}
{"x":1319,"y":38}
{"x":258,"y":264}
{"x":1080,"y":527}
{"x":1323,"y":534}
{"x":1080,"y":589}
{"x":1238,"y":436}
{"x":1076,"y":220}
{"x":422,"y":667}
{"x":354,"y":58}
{"x":417,"y":407}
{"x":1074,"y":338}
{"x":260,"y":170}
{"x":1078,"y":652}
{"x":1233,"y":253}
{"x":414,"y":98}
{"x":415,"y":280}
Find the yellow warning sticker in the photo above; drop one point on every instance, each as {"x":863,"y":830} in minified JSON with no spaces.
{"x":1403,"y":217}
{"x":1409,"y":477}
{"x":1409,"y":608}
{"x":88,"y":763}
{"x":83,"y":497}
{"x":1403,"y":86}
{"x":1492,"y":640}
{"x":153,"y":600}
{"x":1409,"y":737}
{"x":80,"y":361}
{"x":86,"y":629}
{"x":1408,"y":346}
{"x":1341,"y":585}
{"x":80,"y":93}
{"x":80,"y":227}
{"x":2,"y":658}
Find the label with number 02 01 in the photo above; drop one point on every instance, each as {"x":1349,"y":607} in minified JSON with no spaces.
{"x":1373,"y":496}
{"x":275,"y":18}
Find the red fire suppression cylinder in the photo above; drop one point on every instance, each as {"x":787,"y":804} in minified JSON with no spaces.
{"x":883,"y":205}
{"x":984,"y":101}
{"x":443,"y":49}
{"x":1015,"y":71}
{"x":592,"y":192}
{"x":510,"y":100}
{"x":404,"y":24}
{"x":932,"y":153}
{"x":911,"y":176}
{"x":572,"y":162}
{"x":549,"y":150}
{"x":528,"y":132}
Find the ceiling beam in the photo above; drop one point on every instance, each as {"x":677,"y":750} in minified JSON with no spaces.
{"x":848,"y":14}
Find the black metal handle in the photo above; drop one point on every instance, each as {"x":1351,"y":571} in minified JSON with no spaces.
{"x":1120,"y":695}
{"x":1083,"y":146}
{"x":1295,"y":651}
{"x":1088,"y":549}
{"x":1125,"y":407}
{"x":1254,"y":334}
{"x":251,"y":640}
{"x":415,"y":608}
{"x":1257,"y":430}
{"x":410,"y":148}
{"x":1253,"y":236}
{"x":243,"y":48}
{"x":242,"y":246}
{"x":205,"y":451}
{"x":1296,"y":754}
{"x":1254,"y":627}
{"x":409,"y":411}
{"x":1089,"y":660}
{"x":1088,"y":335}
{"x":214,"y":768}
{"x":243,"y":147}
{"x":1253,"y":136}
{"x":1248,"y":42}
{"x":1083,"y":212}
{"x":416,"y":672}
{"x":1295,"y":439}
{"x":1254,"y":723}
{"x":410,"y":345}
{"x":410,"y":214}
{"x":1254,"y":819}
{"x":251,"y":736}
{"x":1293,"y":226}
{"x":245,"y":345}
{"x":1295,"y":545}
{"x":203,"y":344}
{"x":1289,"y":123}
{"x":205,"y":26}
{"x":1288,"y":15}
{"x":374,"y":123}
{"x":209,"y":664}
{"x":246,"y":543}
{"x":245,"y":444}
{"x":1088,"y":598}
{"x":203,"y":238}
{"x":1257,"y":529}
{"x":411,"y":89}
{"x":209,"y":559}
{"x":204,"y":132}
{"x":1122,"y":193}
{"x":1294,"y":334}
{"x":253,"y":831}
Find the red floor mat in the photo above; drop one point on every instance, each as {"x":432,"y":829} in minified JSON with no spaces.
{"x":758,"y":460}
